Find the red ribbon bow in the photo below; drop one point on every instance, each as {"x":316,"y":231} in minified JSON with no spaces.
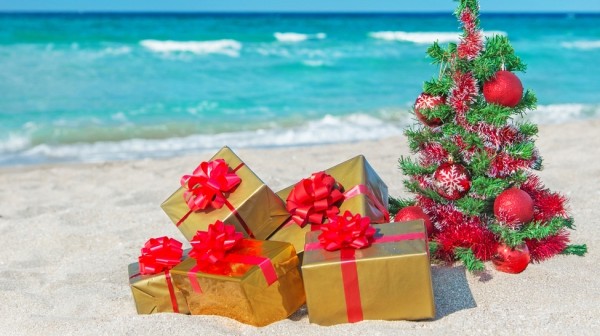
{"x":210,"y":247}
{"x":347,"y":231}
{"x":160,"y":255}
{"x":314,"y":199}
{"x":206,"y":185}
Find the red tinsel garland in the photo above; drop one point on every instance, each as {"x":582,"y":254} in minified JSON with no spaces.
{"x":547,"y":247}
{"x":433,"y":153}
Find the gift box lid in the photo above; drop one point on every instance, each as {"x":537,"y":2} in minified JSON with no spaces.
{"x":393,"y":249}
{"x":350,"y":173}
{"x":282,"y":256}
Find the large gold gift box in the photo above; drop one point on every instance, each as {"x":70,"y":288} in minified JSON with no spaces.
{"x":393,"y":278}
{"x":155,"y":293}
{"x":349,"y":174}
{"x":260,"y":208}
{"x":240,"y":290}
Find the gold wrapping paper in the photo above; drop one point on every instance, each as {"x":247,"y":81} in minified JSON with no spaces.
{"x":394,"y":279}
{"x":151,"y":294}
{"x":242,"y":293}
{"x":349,"y":174}
{"x":257,"y":204}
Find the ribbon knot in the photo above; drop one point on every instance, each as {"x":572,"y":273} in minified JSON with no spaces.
{"x":347,"y":231}
{"x":206,"y":185}
{"x":210,"y":247}
{"x":160,"y":255}
{"x":314,"y":199}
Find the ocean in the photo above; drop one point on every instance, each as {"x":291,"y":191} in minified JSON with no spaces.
{"x":97,"y":87}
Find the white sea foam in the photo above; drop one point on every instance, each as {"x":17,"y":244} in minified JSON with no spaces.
{"x":314,"y":63}
{"x":424,"y":37}
{"x":297,"y":37}
{"x":582,"y":45}
{"x":226,"y":47}
{"x":560,"y":113}
{"x":329,"y":129}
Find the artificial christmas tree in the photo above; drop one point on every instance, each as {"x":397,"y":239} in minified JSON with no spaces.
{"x":471,"y":151}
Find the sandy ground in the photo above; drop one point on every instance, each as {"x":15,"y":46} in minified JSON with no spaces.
{"x":69,"y":231}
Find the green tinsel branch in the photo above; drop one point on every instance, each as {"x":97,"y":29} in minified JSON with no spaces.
{"x":497,"y":52}
{"x":411,"y":168}
{"x":472,"y":206}
{"x":579,"y":250}
{"x":417,"y":137}
{"x":397,"y":204}
{"x":444,"y":112}
{"x":480,"y":163}
{"x":521,"y":150}
{"x":468,"y":258}
{"x":533,"y":230}
{"x":528,"y":129}
{"x":413,"y":186}
{"x":489,"y":187}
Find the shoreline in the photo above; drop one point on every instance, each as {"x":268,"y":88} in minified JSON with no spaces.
{"x":70,"y":230}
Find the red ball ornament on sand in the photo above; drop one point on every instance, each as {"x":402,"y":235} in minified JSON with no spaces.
{"x":513,"y":207}
{"x":504,"y":89}
{"x":414,"y":212}
{"x":452,"y":180}
{"x":511,"y":260}
{"x":426,"y":101}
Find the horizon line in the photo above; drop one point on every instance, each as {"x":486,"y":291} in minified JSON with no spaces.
{"x":280,"y":12}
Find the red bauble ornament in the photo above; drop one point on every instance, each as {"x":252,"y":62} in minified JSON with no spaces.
{"x":504,"y":89}
{"x":427,"y":101}
{"x":513,"y":207}
{"x":414,"y":212}
{"x":511,"y":260}
{"x":452,"y":181}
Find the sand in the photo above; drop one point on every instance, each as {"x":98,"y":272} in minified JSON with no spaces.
{"x":69,"y":231}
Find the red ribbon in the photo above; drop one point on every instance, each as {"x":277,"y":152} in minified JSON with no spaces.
{"x":314,"y":199}
{"x":317,"y":198}
{"x":346,"y":231}
{"x":362,"y":189}
{"x":350,"y":272}
{"x":160,"y":255}
{"x":213,"y":251}
{"x":206,"y":186}
{"x":212,"y":245}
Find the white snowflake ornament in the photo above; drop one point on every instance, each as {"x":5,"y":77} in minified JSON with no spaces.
{"x":452,"y":181}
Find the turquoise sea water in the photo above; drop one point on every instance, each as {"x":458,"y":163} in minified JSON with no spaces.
{"x":94,"y":87}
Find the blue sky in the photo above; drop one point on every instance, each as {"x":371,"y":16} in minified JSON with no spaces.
{"x":297,"y":5}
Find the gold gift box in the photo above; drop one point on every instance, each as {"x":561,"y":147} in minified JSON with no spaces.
{"x":240,"y":291}
{"x":260,"y":208}
{"x":151,"y":293}
{"x":350,"y":173}
{"x":394,"y":279}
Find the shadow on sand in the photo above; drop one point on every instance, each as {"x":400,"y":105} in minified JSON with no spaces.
{"x":451,"y":290}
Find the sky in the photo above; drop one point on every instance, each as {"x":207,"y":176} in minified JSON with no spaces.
{"x":297,"y":5}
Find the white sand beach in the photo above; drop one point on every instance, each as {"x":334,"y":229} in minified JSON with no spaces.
{"x":69,"y":231}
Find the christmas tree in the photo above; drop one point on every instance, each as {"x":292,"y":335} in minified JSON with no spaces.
{"x":473,"y":172}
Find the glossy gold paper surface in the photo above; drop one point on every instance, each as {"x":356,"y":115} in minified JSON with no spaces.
{"x":243,"y":294}
{"x":349,"y":174}
{"x":151,"y":294}
{"x":262,"y":210}
{"x":394,"y":279}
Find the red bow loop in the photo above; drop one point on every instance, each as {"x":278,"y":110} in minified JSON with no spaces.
{"x":347,"y":231}
{"x":206,"y":185}
{"x":314,"y":199}
{"x":210,"y":247}
{"x":159,"y":255}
